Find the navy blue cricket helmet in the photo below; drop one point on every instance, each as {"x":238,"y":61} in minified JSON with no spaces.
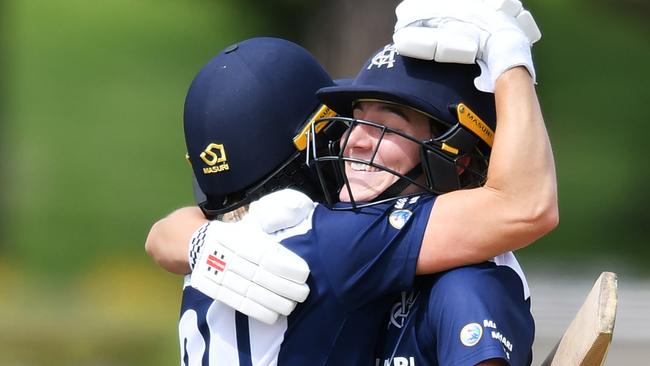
{"x":464,"y":117}
{"x":244,"y":120}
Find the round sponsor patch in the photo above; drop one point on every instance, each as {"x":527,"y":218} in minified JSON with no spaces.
{"x":471,"y":334}
{"x":398,"y":218}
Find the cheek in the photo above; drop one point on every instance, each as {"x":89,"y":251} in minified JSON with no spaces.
{"x":403,"y":155}
{"x":412,"y":154}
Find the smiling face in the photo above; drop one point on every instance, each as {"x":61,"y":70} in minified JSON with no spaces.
{"x":394,"y":151}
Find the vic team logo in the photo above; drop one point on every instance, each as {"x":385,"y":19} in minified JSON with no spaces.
{"x":385,"y":57}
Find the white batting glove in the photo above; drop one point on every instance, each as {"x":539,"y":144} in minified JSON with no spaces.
{"x":280,"y":210}
{"x":497,"y":34}
{"x":242,"y":266}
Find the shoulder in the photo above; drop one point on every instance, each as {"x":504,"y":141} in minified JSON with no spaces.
{"x":404,"y":207}
{"x":480,"y":281}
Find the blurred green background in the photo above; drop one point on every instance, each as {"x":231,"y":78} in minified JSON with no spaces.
{"x":92,"y":153}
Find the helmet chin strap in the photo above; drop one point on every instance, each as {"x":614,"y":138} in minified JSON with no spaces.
{"x":400,"y":185}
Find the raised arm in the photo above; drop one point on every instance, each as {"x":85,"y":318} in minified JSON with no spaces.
{"x":517,"y":204}
{"x":168,"y":239}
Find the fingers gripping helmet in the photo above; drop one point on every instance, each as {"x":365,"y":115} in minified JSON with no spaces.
{"x":242,"y":112}
{"x":454,"y":158}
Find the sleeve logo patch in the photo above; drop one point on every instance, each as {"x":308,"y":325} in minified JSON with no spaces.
{"x":471,"y":334}
{"x":398,"y":218}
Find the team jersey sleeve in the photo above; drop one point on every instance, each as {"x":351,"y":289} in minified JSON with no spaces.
{"x":478,"y":313}
{"x":373,"y":252}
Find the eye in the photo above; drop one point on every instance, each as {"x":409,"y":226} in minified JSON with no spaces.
{"x":393,"y":131}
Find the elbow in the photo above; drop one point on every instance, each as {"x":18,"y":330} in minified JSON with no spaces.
{"x":549,"y":220}
{"x":148,"y":247}
{"x":150,"y":244}
{"x":544,"y":218}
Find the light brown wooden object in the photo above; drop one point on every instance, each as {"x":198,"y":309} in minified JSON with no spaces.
{"x":586,"y":341}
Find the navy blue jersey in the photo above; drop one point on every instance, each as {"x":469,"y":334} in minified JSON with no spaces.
{"x":462,"y":317}
{"x":358,"y":259}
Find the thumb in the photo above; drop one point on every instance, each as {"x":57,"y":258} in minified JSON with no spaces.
{"x":484,"y":81}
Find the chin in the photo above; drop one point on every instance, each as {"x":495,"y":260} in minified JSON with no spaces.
{"x":360,"y":194}
{"x":368,"y":186}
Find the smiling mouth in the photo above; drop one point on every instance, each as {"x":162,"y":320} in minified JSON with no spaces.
{"x":361,"y":167}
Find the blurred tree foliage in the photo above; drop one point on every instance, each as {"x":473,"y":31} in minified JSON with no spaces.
{"x":592,"y":72}
{"x":95,"y":147}
{"x":92,"y":153}
{"x":94,"y":97}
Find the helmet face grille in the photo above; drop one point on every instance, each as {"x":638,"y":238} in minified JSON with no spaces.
{"x":439,"y":170}
{"x":456,"y":156}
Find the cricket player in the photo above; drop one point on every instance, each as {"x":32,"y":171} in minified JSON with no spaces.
{"x":357,"y":258}
{"x":478,"y":314}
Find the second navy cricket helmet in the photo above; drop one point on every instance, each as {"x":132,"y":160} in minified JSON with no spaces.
{"x":244,"y":114}
{"x":456,"y":156}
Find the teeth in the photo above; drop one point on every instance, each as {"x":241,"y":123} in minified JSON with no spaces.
{"x":362,"y":167}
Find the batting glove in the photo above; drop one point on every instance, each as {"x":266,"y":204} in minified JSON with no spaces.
{"x":242,"y":266}
{"x":280,"y":210}
{"x":496,"y":34}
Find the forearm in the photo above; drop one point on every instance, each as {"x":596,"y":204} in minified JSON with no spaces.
{"x":518,"y":203}
{"x":168,"y":239}
{"x":522,"y":169}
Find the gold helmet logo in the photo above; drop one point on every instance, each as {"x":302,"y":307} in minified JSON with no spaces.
{"x":215,"y":157}
{"x":210,"y":157}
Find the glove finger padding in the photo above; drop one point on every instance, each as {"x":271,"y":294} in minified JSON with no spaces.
{"x":270,"y":300}
{"x":216,"y":275}
{"x":284,"y":263}
{"x":451,"y":41}
{"x":244,"y":305}
{"x":210,"y":277}
{"x":257,"y":293}
{"x":283,"y":287}
{"x":497,"y":32}
{"x":478,"y":12}
{"x":250,"y":243}
{"x":246,"y":269}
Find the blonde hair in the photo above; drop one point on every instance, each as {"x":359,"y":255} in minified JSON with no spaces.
{"x":234,"y":215}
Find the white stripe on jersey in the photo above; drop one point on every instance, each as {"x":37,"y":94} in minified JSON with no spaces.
{"x":188,"y":327}
{"x":508,"y":259}
{"x":265,"y":345}
{"x":223,"y":334}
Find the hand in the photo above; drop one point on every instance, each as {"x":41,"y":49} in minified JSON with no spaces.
{"x":243,"y":267}
{"x":280,"y":210}
{"x":497,"y":34}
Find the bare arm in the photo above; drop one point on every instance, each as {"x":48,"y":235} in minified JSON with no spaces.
{"x":168,"y":239}
{"x":516,"y":206}
{"x":518,"y":203}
